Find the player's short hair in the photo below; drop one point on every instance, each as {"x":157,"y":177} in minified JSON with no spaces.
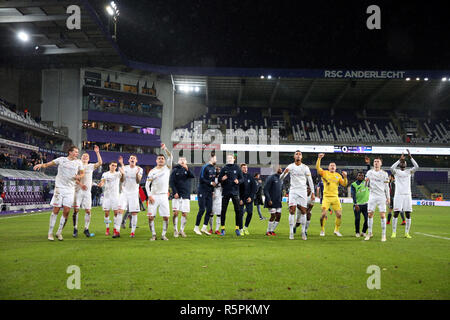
{"x":161,"y":155}
{"x":71,"y":148}
{"x":378,"y":158}
{"x":114,"y":161}
{"x":243,"y":165}
{"x":133,"y":155}
{"x":297,"y":151}
{"x":359,"y":172}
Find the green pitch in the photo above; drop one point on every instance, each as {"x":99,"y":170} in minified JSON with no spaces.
{"x":230,"y":267}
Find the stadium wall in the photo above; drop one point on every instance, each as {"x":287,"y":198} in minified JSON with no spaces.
{"x":188,"y":108}
{"x":61,"y":96}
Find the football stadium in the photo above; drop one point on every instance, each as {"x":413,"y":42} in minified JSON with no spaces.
{"x":130,"y":178}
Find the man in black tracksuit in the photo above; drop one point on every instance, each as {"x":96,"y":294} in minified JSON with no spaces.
{"x":180,"y":183}
{"x":205,"y":192}
{"x":230,"y":177}
{"x":273,"y":200}
{"x":247,"y":191}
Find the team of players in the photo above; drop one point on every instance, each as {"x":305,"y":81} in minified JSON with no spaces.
{"x":219,"y":185}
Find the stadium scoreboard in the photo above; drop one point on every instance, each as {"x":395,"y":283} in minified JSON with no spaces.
{"x":352,"y":149}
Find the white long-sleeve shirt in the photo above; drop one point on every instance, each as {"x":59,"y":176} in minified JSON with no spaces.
{"x":403,"y":178}
{"x":378,"y":183}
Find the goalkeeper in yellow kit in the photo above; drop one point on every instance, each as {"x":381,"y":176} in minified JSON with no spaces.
{"x":331,"y":180}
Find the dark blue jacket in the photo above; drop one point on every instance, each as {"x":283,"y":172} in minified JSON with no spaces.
{"x":207,"y":175}
{"x":247,"y":188}
{"x":272,"y":191}
{"x":180,"y":181}
{"x":232,"y":171}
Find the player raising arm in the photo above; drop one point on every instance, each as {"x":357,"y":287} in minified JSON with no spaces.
{"x":403,"y":197}
{"x":331,"y":181}
{"x":70,"y":172}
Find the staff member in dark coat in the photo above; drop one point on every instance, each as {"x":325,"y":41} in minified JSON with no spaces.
{"x":180,"y":182}
{"x":247,"y":190}
{"x":258,"y":195}
{"x":205,"y":191}
{"x":230,"y":177}
{"x":273,"y":198}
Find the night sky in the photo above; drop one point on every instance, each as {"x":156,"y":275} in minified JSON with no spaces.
{"x":285,"y":34}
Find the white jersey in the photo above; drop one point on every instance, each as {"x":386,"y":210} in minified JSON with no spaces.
{"x":129,"y":185}
{"x":87,"y":178}
{"x":112,"y":184}
{"x":300,"y":175}
{"x":403,"y":178}
{"x":67,"y":170}
{"x":159,"y":179}
{"x":217,"y":191}
{"x":378,"y":183}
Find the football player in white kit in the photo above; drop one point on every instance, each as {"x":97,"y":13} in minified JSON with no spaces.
{"x":298,"y":198}
{"x":83,"y":196}
{"x":130,"y":190}
{"x":308,"y":213}
{"x":111,"y":197}
{"x":158,"y":194}
{"x":378,"y":182}
{"x":402,"y":196}
{"x":70,"y":172}
{"x":217,"y":204}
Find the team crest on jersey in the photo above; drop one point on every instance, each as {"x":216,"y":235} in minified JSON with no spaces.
{"x":248,"y":180}
{"x":234,"y":171}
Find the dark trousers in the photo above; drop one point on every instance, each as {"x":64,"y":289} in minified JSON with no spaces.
{"x":204,"y":203}
{"x":237,"y":209}
{"x":363,"y":210}
{"x":247,"y":207}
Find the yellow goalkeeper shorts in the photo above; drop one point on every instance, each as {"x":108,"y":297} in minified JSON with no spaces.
{"x":332,"y":202}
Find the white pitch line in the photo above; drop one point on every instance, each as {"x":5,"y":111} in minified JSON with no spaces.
{"x":25,"y":215}
{"x":431,"y":235}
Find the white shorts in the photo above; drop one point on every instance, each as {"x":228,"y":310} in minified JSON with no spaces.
{"x":63,"y":198}
{"x":161,"y":201}
{"x":217,"y":206}
{"x":111,"y":204}
{"x":298,"y":198}
{"x":183,"y":205}
{"x":375,"y":202}
{"x":83,"y":200}
{"x":403,"y":203}
{"x":273,"y":210}
{"x":129,"y":202}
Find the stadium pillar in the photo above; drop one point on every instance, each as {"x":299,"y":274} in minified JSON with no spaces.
{"x":166,"y":96}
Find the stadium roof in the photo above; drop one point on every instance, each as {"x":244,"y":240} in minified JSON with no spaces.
{"x":52,"y":43}
{"x":380,"y":94}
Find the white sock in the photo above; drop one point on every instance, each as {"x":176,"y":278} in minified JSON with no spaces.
{"x":291,"y":223}
{"x":217,"y":223}
{"x":107,"y":222}
{"x":408,"y":225}
{"x":61,"y":224}
{"x":299,"y":216}
{"x":394,"y":225}
{"x":274,"y":226}
{"x":269,"y":226}
{"x":165,"y":225}
{"x":119,"y":222}
{"x":175,"y":223}
{"x":370,"y":225}
{"x":76,"y":220}
{"x":133,"y":223}
{"x":52,"y":222}
{"x":210,"y":222}
{"x":383,"y":227}
{"x":115,"y":222}
{"x":87,"y":221}
{"x":307,"y":225}
{"x":303,"y":222}
{"x":183,"y":222}
{"x":152,"y":227}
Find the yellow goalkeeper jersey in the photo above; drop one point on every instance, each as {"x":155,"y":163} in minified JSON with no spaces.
{"x":330,"y":180}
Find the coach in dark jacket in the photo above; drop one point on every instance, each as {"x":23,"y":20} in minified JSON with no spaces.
{"x":247,"y":191}
{"x":273,"y":200}
{"x":258,"y":195}
{"x":230,"y":177}
{"x":205,"y":191}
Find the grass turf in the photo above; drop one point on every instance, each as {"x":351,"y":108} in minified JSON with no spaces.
{"x":230,"y":267}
